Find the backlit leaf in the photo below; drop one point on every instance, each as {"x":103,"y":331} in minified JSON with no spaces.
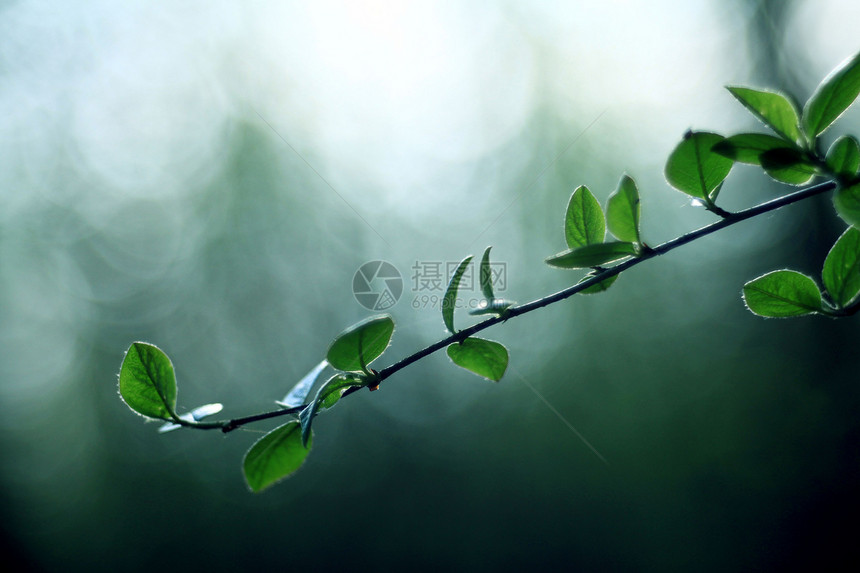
{"x":832,"y":97}
{"x":449,"y":301}
{"x":147,"y":383}
{"x":843,"y":157}
{"x":847,"y":203}
{"x":781,"y":294}
{"x":773,"y":108}
{"x":584,"y":223}
{"x":483,"y":357}
{"x":486,"y":277}
{"x":622,"y":211}
{"x":275,"y":456}
{"x":361,"y":344}
{"x":694,"y":168}
{"x":841,"y":273}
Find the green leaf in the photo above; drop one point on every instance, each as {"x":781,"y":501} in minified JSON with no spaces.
{"x":832,"y":97}
{"x":483,"y":357}
{"x":694,"y":168}
{"x":781,"y":294}
{"x":773,"y":108}
{"x":275,"y":456}
{"x":584,"y":223}
{"x":597,"y":287}
{"x":622,"y":211}
{"x":843,"y":157}
{"x":847,"y":203}
{"x":147,"y":383}
{"x":841,"y":273}
{"x":487,"y":275}
{"x":327,"y":396}
{"x":449,"y":301}
{"x":748,"y":147}
{"x":361,"y":344}
{"x":591,"y":255}
{"x":788,"y":166}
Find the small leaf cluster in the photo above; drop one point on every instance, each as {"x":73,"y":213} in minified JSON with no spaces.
{"x":485,"y":358}
{"x":791,"y":156}
{"x":786,"y":293}
{"x":147,"y":384}
{"x":585,"y":226}
{"x":351,"y":353}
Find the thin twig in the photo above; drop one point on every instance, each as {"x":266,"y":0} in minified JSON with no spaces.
{"x":648,"y":253}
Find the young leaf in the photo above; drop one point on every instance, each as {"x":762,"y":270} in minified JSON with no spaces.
{"x":781,"y":294}
{"x":361,"y":344}
{"x":591,"y":255}
{"x":694,"y":168}
{"x":194,"y":415}
{"x":773,"y":108}
{"x":597,"y":287}
{"x":584,"y":223}
{"x":449,"y":301}
{"x":832,"y":97}
{"x":788,"y":166}
{"x":843,"y":157}
{"x":487,"y":276}
{"x":841,"y":273}
{"x":299,"y":393}
{"x":275,"y":456}
{"x":147,"y":383}
{"x":483,"y":357}
{"x":748,"y":147}
{"x":622,"y":211}
{"x":847,"y":203}
{"x":327,"y":396}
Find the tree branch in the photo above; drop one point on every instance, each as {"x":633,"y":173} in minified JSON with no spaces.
{"x":728,"y":220}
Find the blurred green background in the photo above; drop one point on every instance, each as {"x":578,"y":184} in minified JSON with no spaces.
{"x":209,"y":176}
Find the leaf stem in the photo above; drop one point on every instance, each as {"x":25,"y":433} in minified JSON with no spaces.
{"x":716,"y":210}
{"x":728,"y":220}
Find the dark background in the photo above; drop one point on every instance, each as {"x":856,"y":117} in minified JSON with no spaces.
{"x":209,"y":177}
